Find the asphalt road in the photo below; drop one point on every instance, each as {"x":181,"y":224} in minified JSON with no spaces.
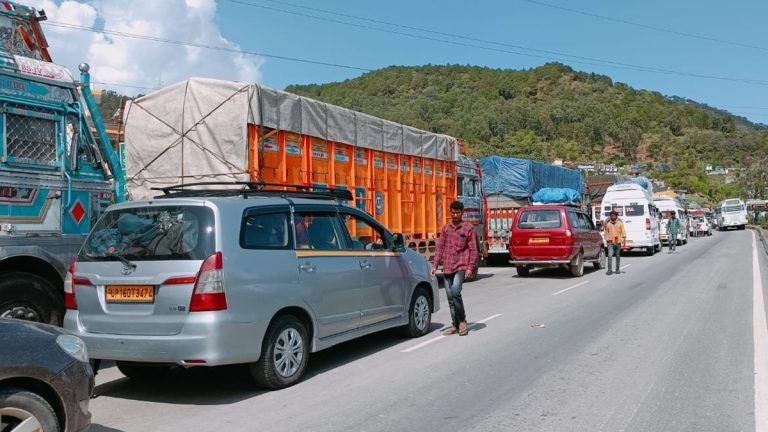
{"x":670,"y":345}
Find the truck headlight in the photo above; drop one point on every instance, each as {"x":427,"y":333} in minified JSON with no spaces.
{"x":74,"y":346}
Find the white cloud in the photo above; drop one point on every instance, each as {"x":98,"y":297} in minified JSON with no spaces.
{"x":116,"y":59}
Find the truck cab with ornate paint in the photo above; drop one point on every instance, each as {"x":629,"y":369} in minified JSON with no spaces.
{"x":56,"y":175}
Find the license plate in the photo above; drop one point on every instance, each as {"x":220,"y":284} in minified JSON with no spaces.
{"x":130,"y":293}
{"x":538,"y":240}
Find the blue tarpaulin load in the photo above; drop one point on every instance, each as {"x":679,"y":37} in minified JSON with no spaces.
{"x":557,"y":196}
{"x":642,"y":181}
{"x":520,"y":178}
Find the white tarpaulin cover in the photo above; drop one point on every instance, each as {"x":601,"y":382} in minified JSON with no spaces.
{"x":197,"y":131}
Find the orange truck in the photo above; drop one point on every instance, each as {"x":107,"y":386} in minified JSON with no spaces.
{"x":205,"y":130}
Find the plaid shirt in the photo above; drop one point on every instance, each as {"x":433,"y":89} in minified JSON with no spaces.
{"x":457,"y":248}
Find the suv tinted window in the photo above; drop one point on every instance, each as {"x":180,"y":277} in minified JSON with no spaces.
{"x":265,"y":231}
{"x":585,"y":222}
{"x":152,"y":234}
{"x":574,"y":218}
{"x":539,"y":219}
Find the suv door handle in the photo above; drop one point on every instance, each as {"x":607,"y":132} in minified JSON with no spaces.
{"x":365,"y":265}
{"x":307,"y":267}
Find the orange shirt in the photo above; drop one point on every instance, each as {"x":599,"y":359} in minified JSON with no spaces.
{"x":614,"y":232}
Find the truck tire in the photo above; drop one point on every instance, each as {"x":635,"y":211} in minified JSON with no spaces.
{"x":30,"y":297}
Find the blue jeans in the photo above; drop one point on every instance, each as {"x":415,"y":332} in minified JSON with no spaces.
{"x":453,"y":283}
{"x":614,"y":249}
{"x":672,"y":242}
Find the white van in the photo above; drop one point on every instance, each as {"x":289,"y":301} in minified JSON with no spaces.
{"x":636,"y":209}
{"x":731,"y":213}
{"x":667,"y":206}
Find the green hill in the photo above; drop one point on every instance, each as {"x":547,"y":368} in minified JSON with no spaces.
{"x":555,"y":112}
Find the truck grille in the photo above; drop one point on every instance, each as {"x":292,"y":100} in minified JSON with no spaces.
{"x":31,"y":139}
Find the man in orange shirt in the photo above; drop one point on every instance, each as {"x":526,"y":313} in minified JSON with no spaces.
{"x":616,"y":237}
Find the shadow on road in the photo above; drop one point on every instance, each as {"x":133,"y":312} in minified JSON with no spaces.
{"x":229,"y":384}
{"x":99,"y":428}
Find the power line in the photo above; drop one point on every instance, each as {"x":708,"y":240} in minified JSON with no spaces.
{"x":646,"y":26}
{"x":198,"y":45}
{"x":123,"y":85}
{"x":588,"y":60}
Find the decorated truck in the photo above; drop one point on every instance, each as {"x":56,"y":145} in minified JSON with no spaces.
{"x":56,"y":175}
{"x":509,"y":184}
{"x":213,"y":131}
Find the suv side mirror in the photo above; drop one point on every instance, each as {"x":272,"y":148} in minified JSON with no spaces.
{"x":398,"y":241}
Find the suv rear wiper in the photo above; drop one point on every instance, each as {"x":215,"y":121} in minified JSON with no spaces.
{"x":125,"y":261}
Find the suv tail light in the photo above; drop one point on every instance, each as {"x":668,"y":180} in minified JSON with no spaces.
{"x":209,"y":286}
{"x":70,"y":282}
{"x":647,"y":224}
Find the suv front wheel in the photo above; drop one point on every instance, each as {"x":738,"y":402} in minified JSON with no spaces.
{"x":284,"y":354}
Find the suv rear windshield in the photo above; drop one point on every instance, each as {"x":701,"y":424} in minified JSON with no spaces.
{"x":539,"y":219}
{"x":152,"y":234}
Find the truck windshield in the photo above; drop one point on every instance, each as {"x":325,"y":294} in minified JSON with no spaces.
{"x":734,"y":209}
{"x":152,"y":233}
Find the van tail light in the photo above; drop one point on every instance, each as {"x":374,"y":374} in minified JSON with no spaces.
{"x":647,"y":224}
{"x":70,"y":283}
{"x":209,"y":286}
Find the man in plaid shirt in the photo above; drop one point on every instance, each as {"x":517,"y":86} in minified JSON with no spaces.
{"x":457,"y":251}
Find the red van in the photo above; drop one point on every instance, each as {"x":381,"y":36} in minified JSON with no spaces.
{"x":555,"y":236}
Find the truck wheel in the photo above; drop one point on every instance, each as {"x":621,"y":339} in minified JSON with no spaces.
{"x":284,"y":354}
{"x":523,"y":271}
{"x":577,"y":266}
{"x":30,"y":297}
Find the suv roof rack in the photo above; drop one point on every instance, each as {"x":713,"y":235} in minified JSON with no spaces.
{"x":253,"y":188}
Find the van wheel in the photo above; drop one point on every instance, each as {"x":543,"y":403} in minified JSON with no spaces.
{"x":577,"y":266}
{"x":419,"y":314}
{"x":523,"y":271}
{"x":650,"y":251}
{"x":284,"y":354}
{"x":30,"y":297}
{"x":19,"y":406}
{"x":601,"y":260}
{"x":142,"y":371}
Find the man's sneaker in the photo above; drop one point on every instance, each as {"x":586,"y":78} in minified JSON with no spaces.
{"x":618,"y":272}
{"x":609,"y":272}
{"x":450,"y":331}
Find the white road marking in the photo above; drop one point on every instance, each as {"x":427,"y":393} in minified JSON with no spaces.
{"x":624,"y":266}
{"x":760,"y":335}
{"x":570,"y":288}
{"x":437,"y":338}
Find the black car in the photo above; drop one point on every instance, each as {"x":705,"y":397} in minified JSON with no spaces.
{"x":46,"y":381}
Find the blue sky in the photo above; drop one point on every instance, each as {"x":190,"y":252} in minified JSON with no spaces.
{"x":521,"y":23}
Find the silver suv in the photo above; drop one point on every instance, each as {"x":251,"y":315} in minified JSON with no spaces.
{"x":261,"y":277}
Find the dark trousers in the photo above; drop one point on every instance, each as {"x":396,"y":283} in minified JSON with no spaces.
{"x":614,"y":249}
{"x":453,"y":283}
